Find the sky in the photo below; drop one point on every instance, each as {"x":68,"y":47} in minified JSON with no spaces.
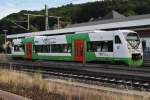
{"x":12,"y":6}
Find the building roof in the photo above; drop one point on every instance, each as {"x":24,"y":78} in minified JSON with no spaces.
{"x":113,"y":15}
{"x":133,"y":21}
{"x":105,"y":21}
{"x":144,"y":33}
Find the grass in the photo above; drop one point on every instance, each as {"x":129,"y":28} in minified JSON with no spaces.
{"x":36,"y":88}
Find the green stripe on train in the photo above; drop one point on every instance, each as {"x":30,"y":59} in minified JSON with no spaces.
{"x":127,"y":61}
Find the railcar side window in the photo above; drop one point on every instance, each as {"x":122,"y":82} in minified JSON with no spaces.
{"x":17,"y":48}
{"x":110,"y":46}
{"x":100,"y":46}
{"x":23,"y":47}
{"x":61,"y":48}
{"x":117,"y":40}
{"x":53,"y":48}
{"x":45,"y":48}
{"x":37,"y":48}
{"x":105,"y":47}
{"x":91,"y":47}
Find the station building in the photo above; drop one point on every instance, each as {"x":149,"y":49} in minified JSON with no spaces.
{"x":116,"y":21}
{"x":112,"y":21}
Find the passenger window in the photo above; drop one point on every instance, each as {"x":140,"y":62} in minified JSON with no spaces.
{"x":110,"y":46}
{"x":53,"y":48}
{"x":100,"y":46}
{"x":105,"y":47}
{"x":117,"y":40}
{"x":17,"y":48}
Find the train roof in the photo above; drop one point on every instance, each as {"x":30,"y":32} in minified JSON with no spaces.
{"x":95,"y":31}
{"x":126,"y":31}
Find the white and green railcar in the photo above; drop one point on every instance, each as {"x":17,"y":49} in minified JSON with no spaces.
{"x":112,"y":46}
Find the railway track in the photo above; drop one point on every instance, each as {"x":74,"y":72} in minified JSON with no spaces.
{"x":99,"y":74}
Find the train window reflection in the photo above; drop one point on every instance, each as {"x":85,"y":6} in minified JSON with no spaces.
{"x":53,"y":48}
{"x":100,"y":46}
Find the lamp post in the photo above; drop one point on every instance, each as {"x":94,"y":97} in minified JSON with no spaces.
{"x":5,"y":31}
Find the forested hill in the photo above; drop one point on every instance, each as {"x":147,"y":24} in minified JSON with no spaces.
{"x":75,"y":14}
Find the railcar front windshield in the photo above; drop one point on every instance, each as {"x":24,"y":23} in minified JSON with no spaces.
{"x":133,"y":39}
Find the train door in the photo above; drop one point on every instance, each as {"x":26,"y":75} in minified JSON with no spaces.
{"x":79,"y":50}
{"x":29,"y":50}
